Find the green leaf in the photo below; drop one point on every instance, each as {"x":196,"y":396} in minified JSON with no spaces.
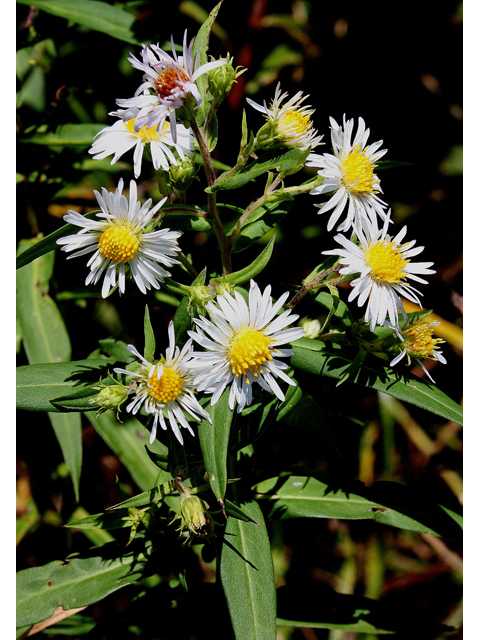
{"x":261,"y":222}
{"x":98,"y":16}
{"x":246,"y":572}
{"x":201,"y":45}
{"x":67,"y":135}
{"x":314,"y":357}
{"x":128,"y":442}
{"x":79,"y":582}
{"x":107,"y":521}
{"x":253,"y":269}
{"x":148,"y":497}
{"x":184,"y":221}
{"x":335,"y":306}
{"x":97,"y":537}
{"x":149,"y":350}
{"x":316,"y":605}
{"x":214,"y":443}
{"x":40,"y":384}
{"x":45,"y":245}
{"x":46,"y":340}
{"x":232,"y":510}
{"x":276,"y":159}
{"x":319,"y":495}
{"x":117,"y":350}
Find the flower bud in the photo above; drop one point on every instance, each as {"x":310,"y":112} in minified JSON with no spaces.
{"x":195,"y":516}
{"x":110,"y":396}
{"x":198,"y":296}
{"x":182,"y":174}
{"x":222,"y":79}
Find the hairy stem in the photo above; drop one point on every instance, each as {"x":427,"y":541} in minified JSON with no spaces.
{"x":212,"y":203}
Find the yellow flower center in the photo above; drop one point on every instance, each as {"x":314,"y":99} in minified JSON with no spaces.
{"x":248,"y":351}
{"x":293,"y":122}
{"x":168,"y":387}
{"x":147,"y":135}
{"x":357,"y":173}
{"x":118,"y":243}
{"x":386,"y":262}
{"x":168,"y":80}
{"x":419,"y":342}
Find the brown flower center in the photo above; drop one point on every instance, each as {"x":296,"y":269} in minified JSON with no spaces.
{"x":168,"y":80}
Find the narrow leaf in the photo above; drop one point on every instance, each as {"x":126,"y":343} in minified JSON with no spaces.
{"x":253,"y":269}
{"x":214,"y":443}
{"x":182,"y":320}
{"x":46,"y":340}
{"x":276,"y":159}
{"x":79,"y":582}
{"x":314,"y":357}
{"x":40,"y":385}
{"x":264,"y":219}
{"x":319,"y":495}
{"x":45,"y":245}
{"x":98,"y":16}
{"x":66,"y":135}
{"x":246,"y":572}
{"x":149,"y":350}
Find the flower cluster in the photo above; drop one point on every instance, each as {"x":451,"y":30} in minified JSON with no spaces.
{"x":241,"y":347}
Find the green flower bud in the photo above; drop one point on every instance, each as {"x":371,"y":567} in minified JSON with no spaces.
{"x":198,"y":296}
{"x":195,"y":517}
{"x":223,"y":287}
{"x":110,"y":396}
{"x":222,"y":79}
{"x":182,"y":174}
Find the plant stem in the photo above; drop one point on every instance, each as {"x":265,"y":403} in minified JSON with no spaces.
{"x":212,"y":203}
{"x":183,"y":259}
{"x":316,"y":283}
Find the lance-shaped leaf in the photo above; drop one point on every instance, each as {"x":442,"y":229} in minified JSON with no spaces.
{"x":319,"y":495}
{"x":262,"y":221}
{"x":316,"y":605}
{"x":148,"y":497}
{"x":274,"y":160}
{"x":98,"y":16}
{"x":41,"y":387}
{"x":246,"y":572}
{"x":79,"y":582}
{"x":314,"y":357}
{"x":253,"y":269}
{"x":149,"y":350}
{"x":67,"y":135}
{"x":201,"y":45}
{"x":214,"y":443}
{"x":46,"y":339}
{"x":45,"y":245}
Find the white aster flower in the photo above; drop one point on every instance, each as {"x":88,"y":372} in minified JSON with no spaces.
{"x":350,"y":174}
{"x":119,"y":243}
{"x":242,"y":346}
{"x":165,"y":387}
{"x":121,"y":137}
{"x":383,"y":265}
{"x":167,"y":82}
{"x":419,"y":344}
{"x":289,"y":124}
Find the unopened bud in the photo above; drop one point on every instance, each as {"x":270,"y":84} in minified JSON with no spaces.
{"x":195,"y":516}
{"x":182,"y":174}
{"x":222,"y":79}
{"x":110,"y":396}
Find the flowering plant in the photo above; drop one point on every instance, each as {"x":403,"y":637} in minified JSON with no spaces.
{"x":222,"y":361}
